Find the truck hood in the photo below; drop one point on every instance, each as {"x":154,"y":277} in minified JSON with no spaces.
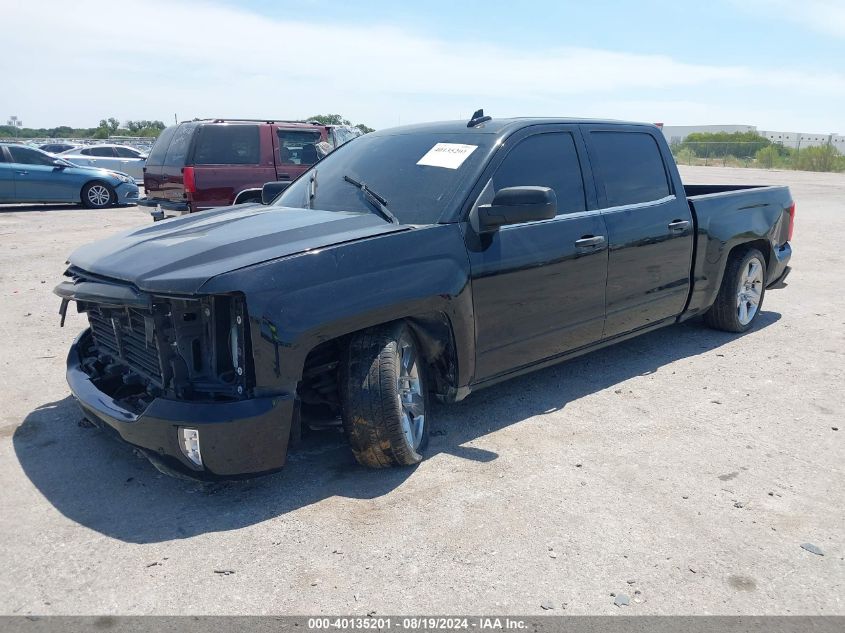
{"x":180,"y":255}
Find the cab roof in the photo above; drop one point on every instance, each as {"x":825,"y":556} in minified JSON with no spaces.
{"x":497,"y":126}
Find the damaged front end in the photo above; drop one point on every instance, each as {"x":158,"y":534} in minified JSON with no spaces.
{"x":177,"y":368}
{"x":145,"y":346}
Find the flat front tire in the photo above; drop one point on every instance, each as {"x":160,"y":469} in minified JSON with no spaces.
{"x":385,"y":397}
{"x":740,"y":297}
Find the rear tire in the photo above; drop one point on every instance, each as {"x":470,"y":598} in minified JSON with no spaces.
{"x":740,"y":297}
{"x":98,"y":195}
{"x":384,"y":397}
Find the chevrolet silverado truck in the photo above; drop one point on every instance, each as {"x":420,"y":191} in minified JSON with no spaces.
{"x":423,"y":261}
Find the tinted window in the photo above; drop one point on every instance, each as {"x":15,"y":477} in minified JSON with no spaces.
{"x":226,"y":145}
{"x":345,"y":134}
{"x":388,"y":164}
{"x":26,"y":156}
{"x":180,"y":143}
{"x":545,"y":160}
{"x":631,"y":167}
{"x":2,"y":155}
{"x":159,"y":149}
{"x":298,"y":147}
{"x":101,"y":151}
{"x":127,"y":152}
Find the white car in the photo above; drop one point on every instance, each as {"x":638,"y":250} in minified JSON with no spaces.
{"x":115,"y":157}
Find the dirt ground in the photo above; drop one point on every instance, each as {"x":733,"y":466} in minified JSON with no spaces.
{"x":683,"y":469}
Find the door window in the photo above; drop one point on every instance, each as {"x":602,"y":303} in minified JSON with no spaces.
{"x":298,"y":147}
{"x":159,"y":149}
{"x":177,"y":151}
{"x":545,"y":160}
{"x":631,"y":167}
{"x":126,"y":152}
{"x":102,"y":152}
{"x":27,"y":156}
{"x":227,"y":145}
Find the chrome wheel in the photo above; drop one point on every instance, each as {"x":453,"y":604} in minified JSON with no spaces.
{"x":411,"y":399}
{"x":750,"y":291}
{"x":98,"y":195}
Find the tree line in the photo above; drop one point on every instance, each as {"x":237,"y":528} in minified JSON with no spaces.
{"x":749,"y":149}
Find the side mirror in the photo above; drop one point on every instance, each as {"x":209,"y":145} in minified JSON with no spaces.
{"x":59,"y":163}
{"x":515,"y":205}
{"x":271,"y":190}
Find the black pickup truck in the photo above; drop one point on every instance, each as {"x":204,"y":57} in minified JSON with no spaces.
{"x":432,"y":259}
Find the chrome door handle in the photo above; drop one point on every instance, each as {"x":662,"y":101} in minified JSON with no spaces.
{"x":590,"y":241}
{"x":22,"y":173}
{"x":678,"y":225}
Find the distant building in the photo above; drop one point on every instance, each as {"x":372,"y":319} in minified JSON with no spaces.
{"x":797,"y":140}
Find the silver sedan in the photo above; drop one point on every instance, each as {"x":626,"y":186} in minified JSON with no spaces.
{"x":115,"y":157}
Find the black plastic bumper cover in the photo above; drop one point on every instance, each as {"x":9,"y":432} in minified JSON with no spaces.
{"x":779,"y":265}
{"x":237,"y":439}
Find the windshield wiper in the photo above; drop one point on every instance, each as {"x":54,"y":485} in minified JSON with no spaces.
{"x":379,"y":203}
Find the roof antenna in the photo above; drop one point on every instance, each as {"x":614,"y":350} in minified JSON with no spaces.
{"x":478,"y":118}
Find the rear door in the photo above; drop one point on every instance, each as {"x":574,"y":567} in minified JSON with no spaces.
{"x":296,"y":151}
{"x":7,"y":178}
{"x":153,"y":176}
{"x":228,"y":158}
{"x":130,"y":161}
{"x":650,"y":229}
{"x":171,"y":184}
{"x":102,"y":156}
{"x":538,"y":287}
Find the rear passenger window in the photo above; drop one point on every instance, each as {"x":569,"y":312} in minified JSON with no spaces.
{"x":631,"y":167}
{"x":100,"y":151}
{"x":298,"y":147}
{"x":177,"y":151}
{"x":545,"y":160}
{"x":125,"y":152}
{"x":159,"y":149}
{"x":227,"y":145}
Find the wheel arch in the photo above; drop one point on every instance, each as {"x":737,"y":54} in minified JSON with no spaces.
{"x":93,"y":181}
{"x":247,"y":195}
{"x":434,"y":333}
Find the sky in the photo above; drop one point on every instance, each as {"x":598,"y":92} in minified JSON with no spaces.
{"x":776,"y":64}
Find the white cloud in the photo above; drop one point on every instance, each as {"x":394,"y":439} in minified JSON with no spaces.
{"x":825,"y":16}
{"x":200,"y":59}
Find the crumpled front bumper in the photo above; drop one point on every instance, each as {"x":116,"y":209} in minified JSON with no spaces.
{"x":237,"y":439}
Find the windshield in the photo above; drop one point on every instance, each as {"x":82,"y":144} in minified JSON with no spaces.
{"x":418,"y":175}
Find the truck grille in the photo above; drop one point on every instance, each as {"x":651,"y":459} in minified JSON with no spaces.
{"x":122,"y":335}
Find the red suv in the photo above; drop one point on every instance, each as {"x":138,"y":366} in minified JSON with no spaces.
{"x":197,"y":165}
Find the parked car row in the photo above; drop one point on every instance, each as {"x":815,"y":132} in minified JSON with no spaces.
{"x":31,"y":175}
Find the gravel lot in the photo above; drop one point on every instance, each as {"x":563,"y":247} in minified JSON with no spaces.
{"x":684,"y":469}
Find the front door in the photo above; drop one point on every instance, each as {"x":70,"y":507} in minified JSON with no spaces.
{"x":38,"y":179}
{"x":650,"y":230}
{"x":538,"y":287}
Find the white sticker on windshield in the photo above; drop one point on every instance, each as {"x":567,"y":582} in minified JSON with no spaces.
{"x":448,"y":155}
